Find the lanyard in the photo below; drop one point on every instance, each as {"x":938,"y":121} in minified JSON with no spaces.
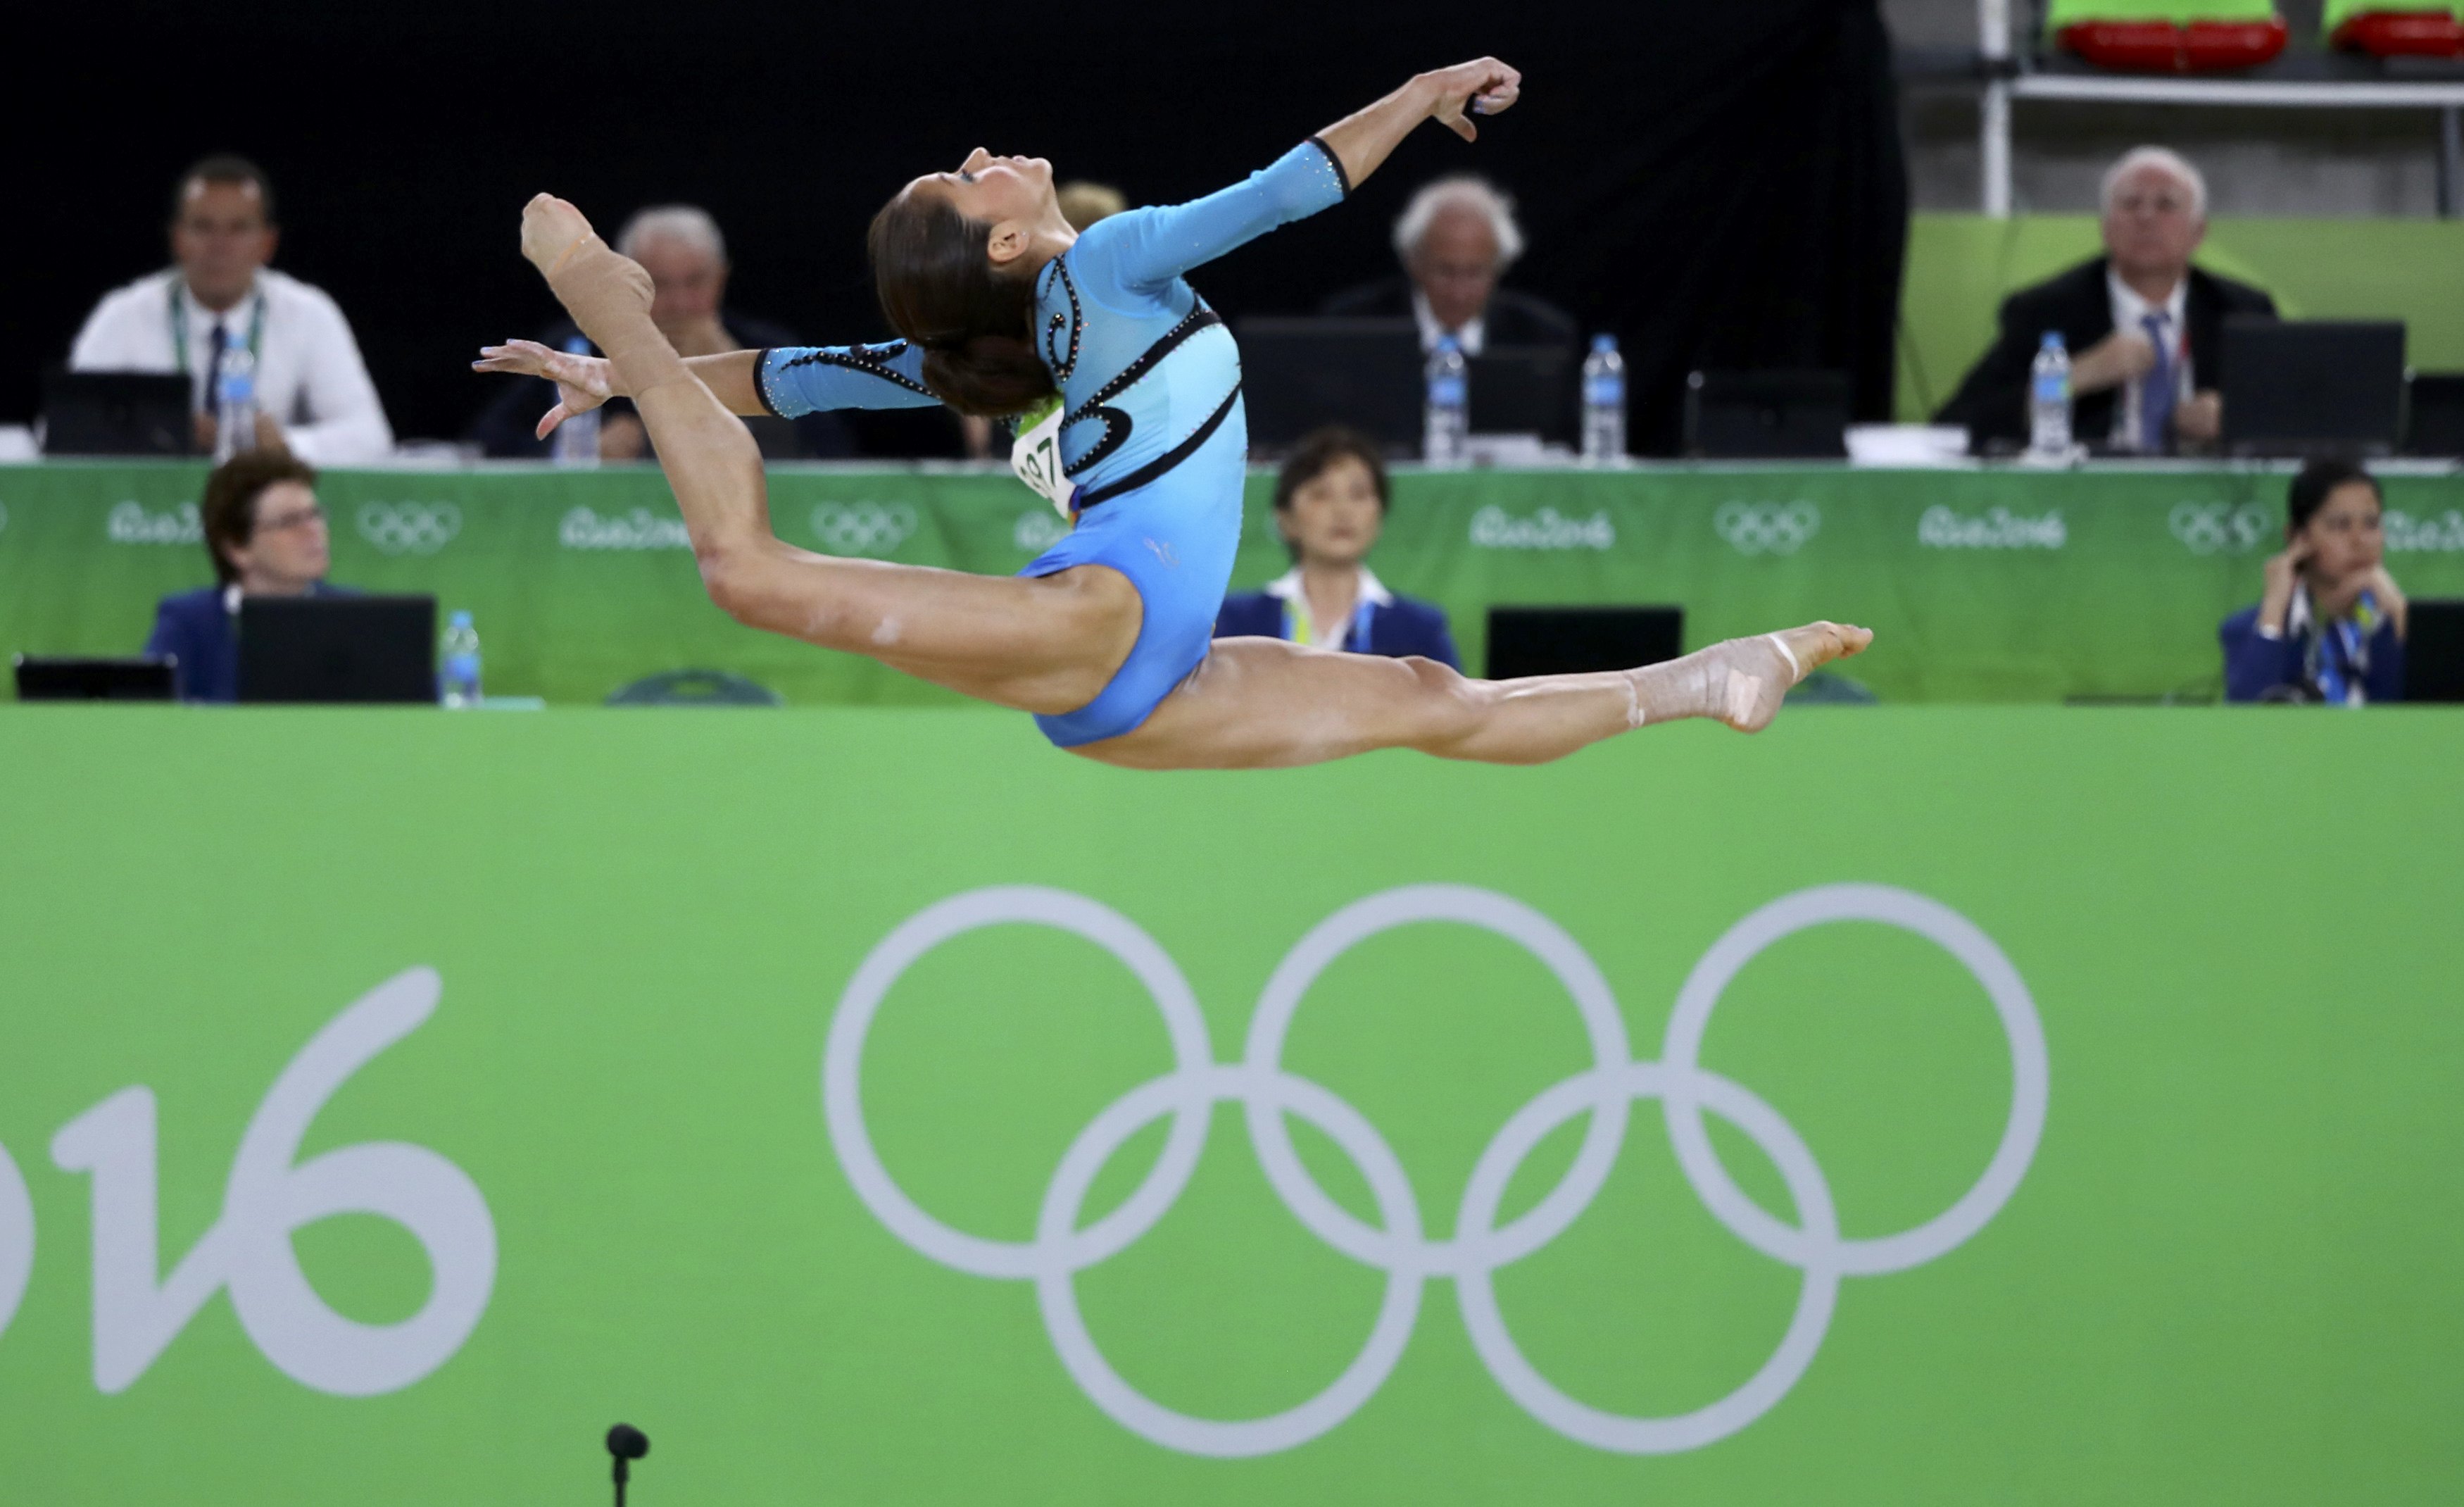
{"x":1296,"y":623}
{"x":180,"y":326}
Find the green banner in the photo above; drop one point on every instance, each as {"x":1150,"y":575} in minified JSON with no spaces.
{"x":1902,"y":1107}
{"x":1990,"y":584}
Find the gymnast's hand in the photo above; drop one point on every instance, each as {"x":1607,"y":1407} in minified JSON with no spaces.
{"x":1483,"y":86}
{"x":582,"y":383}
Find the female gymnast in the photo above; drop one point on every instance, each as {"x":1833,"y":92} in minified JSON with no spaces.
{"x":1126,"y":387}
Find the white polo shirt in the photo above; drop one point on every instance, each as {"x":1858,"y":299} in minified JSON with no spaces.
{"x":309,"y":374}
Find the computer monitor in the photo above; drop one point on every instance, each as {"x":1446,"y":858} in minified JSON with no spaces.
{"x":319,"y":649}
{"x":64,"y":678}
{"x":1574,"y":640}
{"x":1301,"y":374}
{"x":2311,"y":386}
{"x":116,"y":413}
{"x":1526,"y":389}
{"x":1767,"y":415}
{"x":2433,"y":652}
{"x":2433,"y":422}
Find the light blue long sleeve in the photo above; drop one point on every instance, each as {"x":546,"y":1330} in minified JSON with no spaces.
{"x":1141,"y":249}
{"x":797,"y":380}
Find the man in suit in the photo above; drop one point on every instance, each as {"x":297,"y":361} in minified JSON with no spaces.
{"x":1456,"y":238}
{"x":265,"y":533}
{"x":1330,"y":502}
{"x":2143,"y":326}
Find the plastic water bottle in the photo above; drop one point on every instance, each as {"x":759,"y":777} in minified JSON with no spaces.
{"x":235,"y":405}
{"x":577,"y":439}
{"x":2048,"y":400}
{"x":1446,"y":423}
{"x":1603,"y":403}
{"x":461,"y":663}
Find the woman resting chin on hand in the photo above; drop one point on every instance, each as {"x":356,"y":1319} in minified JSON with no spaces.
{"x":2330,"y":623}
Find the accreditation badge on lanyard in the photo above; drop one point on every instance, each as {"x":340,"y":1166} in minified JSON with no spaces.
{"x":1035,"y":454}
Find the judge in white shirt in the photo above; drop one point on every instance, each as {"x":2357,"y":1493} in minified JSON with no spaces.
{"x":313,"y":393}
{"x":1456,"y":238}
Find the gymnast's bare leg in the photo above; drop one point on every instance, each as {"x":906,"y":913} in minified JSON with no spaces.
{"x":1049,"y":645}
{"x":1262,"y":702}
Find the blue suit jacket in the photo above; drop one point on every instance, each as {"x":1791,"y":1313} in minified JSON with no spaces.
{"x":195,"y":627}
{"x":1404,"y":627}
{"x":2255,"y":666}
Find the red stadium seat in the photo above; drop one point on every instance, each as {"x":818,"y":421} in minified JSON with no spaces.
{"x":2388,"y":33}
{"x":2169,"y":37}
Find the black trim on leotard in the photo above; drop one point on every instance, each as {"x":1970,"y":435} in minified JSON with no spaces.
{"x":761,"y":382}
{"x":1336,"y":162}
{"x":1117,"y":424}
{"x":873,"y":361}
{"x":1165,"y":462}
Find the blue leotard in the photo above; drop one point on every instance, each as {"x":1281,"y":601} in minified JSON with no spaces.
{"x":1152,"y":434}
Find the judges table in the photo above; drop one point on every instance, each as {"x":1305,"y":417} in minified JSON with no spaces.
{"x":1984,"y":584}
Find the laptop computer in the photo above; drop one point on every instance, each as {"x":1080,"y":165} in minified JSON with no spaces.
{"x":2433,"y":420}
{"x":1767,"y":415}
{"x":1526,"y":389}
{"x":329,"y":649}
{"x":2433,"y":652}
{"x":2312,"y":387}
{"x":116,"y":413}
{"x":1573,"y":640}
{"x":66,"y":677}
{"x":1302,"y":374}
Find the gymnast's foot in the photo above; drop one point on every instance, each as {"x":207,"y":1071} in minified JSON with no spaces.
{"x":608,"y":294}
{"x":1741,"y":682}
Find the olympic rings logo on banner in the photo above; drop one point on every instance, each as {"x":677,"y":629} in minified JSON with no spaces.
{"x":1396,"y":1246}
{"x":1767,"y":529}
{"x":862,"y":528}
{"x":2206,"y":528}
{"x":412,"y":528}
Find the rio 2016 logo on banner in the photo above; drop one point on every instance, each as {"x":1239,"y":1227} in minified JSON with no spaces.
{"x":1396,"y":1246}
{"x":2438,"y":533}
{"x":409,"y":528}
{"x":131,"y":523}
{"x":1493,"y":527}
{"x":582,"y":528}
{"x":138,"y":1312}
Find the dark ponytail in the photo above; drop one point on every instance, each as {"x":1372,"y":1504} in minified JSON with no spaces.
{"x":939,"y":288}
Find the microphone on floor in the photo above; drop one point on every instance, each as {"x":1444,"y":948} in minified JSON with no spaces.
{"x":627,"y":1444}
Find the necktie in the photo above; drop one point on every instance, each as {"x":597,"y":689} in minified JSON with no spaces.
{"x":215,"y":346}
{"x":2156,"y":391}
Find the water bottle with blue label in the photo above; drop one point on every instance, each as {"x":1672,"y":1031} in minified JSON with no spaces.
{"x":577,"y":439}
{"x":460,"y":681}
{"x":1603,"y":403}
{"x":235,"y":405}
{"x":1446,"y":421}
{"x":2048,"y":400}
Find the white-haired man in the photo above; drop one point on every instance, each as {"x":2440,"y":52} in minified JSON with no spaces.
{"x":2143,"y":326}
{"x":681,"y":248}
{"x":1455,"y":239}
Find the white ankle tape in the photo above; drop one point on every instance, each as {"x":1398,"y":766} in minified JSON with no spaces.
{"x":1796,"y":672}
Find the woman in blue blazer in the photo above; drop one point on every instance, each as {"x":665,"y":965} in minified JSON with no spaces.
{"x":2330,"y":623}
{"x":1330,"y":502}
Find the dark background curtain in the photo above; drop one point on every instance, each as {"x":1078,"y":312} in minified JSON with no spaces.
{"x":1720,"y":183}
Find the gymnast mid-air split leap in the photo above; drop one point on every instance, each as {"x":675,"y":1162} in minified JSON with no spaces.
{"x":1125,"y":390}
